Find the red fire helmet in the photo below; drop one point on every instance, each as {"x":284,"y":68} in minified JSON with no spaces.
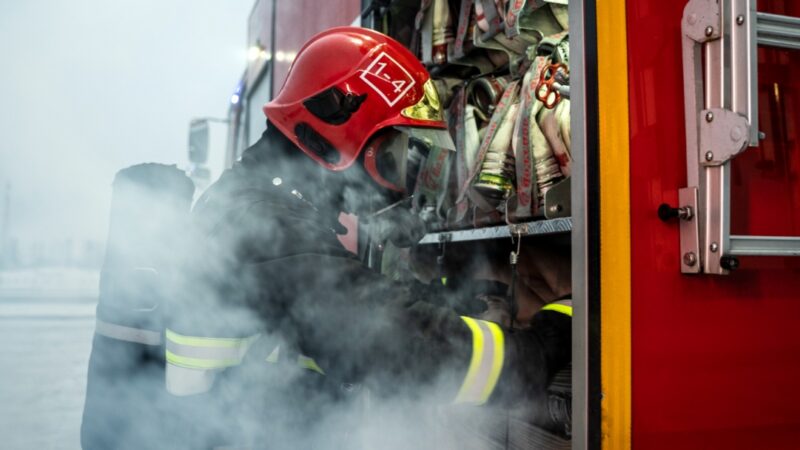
{"x":345,"y":86}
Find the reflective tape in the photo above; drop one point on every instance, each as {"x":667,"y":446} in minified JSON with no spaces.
{"x":206,"y":352}
{"x":486,"y":362}
{"x":308,"y":363}
{"x":127,"y":334}
{"x":274,"y":355}
{"x":562,"y":308}
{"x":183,"y":381}
{"x":303,"y":361}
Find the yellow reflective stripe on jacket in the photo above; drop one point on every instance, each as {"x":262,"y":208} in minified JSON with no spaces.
{"x":205,"y":352}
{"x":274,"y":355}
{"x":200,"y":363}
{"x":488,"y":353}
{"x":308,"y":363}
{"x":558,"y":307}
{"x":303,"y":361}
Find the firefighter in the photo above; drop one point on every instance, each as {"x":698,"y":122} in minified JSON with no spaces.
{"x":274,"y":323}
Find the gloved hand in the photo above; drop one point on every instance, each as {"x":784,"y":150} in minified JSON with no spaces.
{"x":534,"y":355}
{"x":497,"y":310}
{"x":398,"y":225}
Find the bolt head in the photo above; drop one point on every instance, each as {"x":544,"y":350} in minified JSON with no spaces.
{"x":762,"y":135}
{"x":709,"y":116}
{"x":714,"y":247}
{"x":739,"y":20}
{"x":709,"y":31}
{"x":690,"y":259}
{"x":709,"y":156}
{"x":555,"y":208}
{"x":736,"y":134}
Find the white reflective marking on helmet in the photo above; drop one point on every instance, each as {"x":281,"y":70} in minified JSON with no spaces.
{"x":388,"y":78}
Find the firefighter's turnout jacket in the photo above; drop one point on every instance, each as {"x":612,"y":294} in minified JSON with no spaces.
{"x":273,"y":324}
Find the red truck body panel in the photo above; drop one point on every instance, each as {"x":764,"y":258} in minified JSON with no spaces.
{"x":715,"y":359}
{"x":297,"y":20}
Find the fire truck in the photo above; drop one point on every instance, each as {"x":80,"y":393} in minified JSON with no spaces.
{"x":681,"y":211}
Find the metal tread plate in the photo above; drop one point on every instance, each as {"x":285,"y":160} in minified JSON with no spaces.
{"x":538,"y":227}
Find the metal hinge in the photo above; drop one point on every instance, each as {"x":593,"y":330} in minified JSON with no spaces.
{"x":721,"y":113}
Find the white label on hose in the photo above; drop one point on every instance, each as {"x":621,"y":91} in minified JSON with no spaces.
{"x":388,"y":78}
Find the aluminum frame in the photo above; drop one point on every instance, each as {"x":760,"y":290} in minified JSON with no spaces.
{"x":720,"y":68}
{"x":585,"y":429}
{"x":538,"y":227}
{"x":774,"y":30}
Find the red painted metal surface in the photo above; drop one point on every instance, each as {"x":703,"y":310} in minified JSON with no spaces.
{"x":715,"y":360}
{"x":298,"y":20}
{"x":259,"y":34}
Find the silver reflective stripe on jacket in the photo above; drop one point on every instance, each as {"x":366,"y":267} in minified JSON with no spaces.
{"x":127,"y":334}
{"x":486,"y":362}
{"x":193,"y":361}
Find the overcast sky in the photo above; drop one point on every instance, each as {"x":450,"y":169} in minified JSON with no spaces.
{"x":88,"y":87}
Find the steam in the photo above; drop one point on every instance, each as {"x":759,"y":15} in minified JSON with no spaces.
{"x":353,"y":323}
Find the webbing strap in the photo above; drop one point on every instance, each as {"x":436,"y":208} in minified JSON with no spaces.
{"x":513,"y":13}
{"x":464,"y":16}
{"x":486,"y":362}
{"x":488,"y":17}
{"x":127,"y":334}
{"x":527,"y":189}
{"x":204,"y":352}
{"x":502,"y":107}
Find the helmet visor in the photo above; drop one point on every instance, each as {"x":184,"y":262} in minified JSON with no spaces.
{"x":429,"y":108}
{"x":386,"y":159}
{"x":395,"y":156}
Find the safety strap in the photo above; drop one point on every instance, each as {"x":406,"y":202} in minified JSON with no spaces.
{"x":467,"y":142}
{"x":508,"y":98}
{"x":486,"y":362}
{"x":552,"y":131}
{"x":513,"y":12}
{"x":516,"y":10}
{"x":432,"y":181}
{"x":527,"y":196}
{"x":464,"y":19}
{"x":127,"y":334}
{"x":419,"y":20}
{"x":562,"y":117}
{"x":489,"y":19}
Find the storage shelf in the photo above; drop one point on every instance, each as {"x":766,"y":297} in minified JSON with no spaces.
{"x":538,"y":227}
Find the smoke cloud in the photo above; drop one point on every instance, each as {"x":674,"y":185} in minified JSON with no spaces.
{"x":251,"y":263}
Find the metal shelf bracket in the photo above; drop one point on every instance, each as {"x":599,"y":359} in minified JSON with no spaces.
{"x":538,"y":227}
